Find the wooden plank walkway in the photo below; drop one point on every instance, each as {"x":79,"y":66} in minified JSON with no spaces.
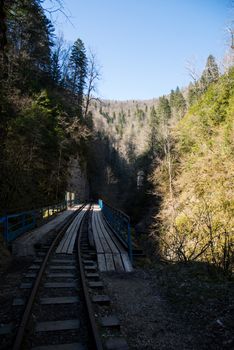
{"x":25,"y":244}
{"x":111,"y":255}
{"x":66,"y":245}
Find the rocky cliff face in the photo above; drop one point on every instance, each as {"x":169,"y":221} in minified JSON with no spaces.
{"x":78,"y":182}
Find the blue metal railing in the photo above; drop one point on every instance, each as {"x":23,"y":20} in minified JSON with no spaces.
{"x":120,"y":223}
{"x":14,"y":225}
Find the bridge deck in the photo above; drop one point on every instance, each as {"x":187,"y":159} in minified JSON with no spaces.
{"x":25,"y":244}
{"x":110,"y":253}
{"x":66,"y":245}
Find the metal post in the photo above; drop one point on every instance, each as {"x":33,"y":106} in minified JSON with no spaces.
{"x":100,"y":202}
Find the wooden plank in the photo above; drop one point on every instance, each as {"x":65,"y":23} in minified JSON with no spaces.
{"x":101,"y":262}
{"x":66,"y":236}
{"x":90,"y":238}
{"x":64,"y":261}
{"x":72,"y":232}
{"x":61,"y":275}
{"x":72,"y":346}
{"x":61,"y":245}
{"x":110,"y":321}
{"x":59,"y":300}
{"x":65,"y":241}
{"x":101,"y":236}
{"x":62,"y":267}
{"x":72,"y":242}
{"x":60,"y":285}
{"x":92,"y":275}
{"x":88,"y":262}
{"x":126,"y":262}
{"x":109,"y":237}
{"x":57,"y":325}
{"x":90,"y":268}
{"x":101,"y":299}
{"x":96,"y":284}
{"x":97,"y":241}
{"x":110,"y":266}
{"x":125,"y":259}
{"x":118,"y":263}
{"x":34,"y":267}
{"x":90,"y":232}
{"x":30,"y":275}
{"x":112,"y":235}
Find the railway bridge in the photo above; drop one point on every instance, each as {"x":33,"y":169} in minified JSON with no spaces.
{"x":62,"y":302}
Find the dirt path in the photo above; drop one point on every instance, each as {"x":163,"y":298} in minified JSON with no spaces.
{"x":148,"y":322}
{"x":152,"y":318}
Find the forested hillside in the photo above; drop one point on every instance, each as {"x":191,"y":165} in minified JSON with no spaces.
{"x":196,"y":216}
{"x":183,"y":142}
{"x":42,"y":85}
{"x":134,"y":131}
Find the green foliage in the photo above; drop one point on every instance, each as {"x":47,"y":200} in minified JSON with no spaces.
{"x":140,"y":115}
{"x":31,"y":154}
{"x":198,"y":223}
{"x":29,"y":35}
{"x":210,"y":74}
{"x":178,"y":103}
{"x":164,"y":109}
{"x":78,"y":65}
{"x":153,"y":140}
{"x":41,"y":126}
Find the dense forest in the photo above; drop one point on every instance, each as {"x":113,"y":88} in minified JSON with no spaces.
{"x":43,"y":81}
{"x":174,"y":153}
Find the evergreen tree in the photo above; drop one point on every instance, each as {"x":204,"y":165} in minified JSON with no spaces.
{"x":177,"y":102}
{"x":153,"y":143}
{"x":210,"y":73}
{"x":172,"y":98}
{"x":194,"y":92}
{"x":55,"y":68}
{"x":78,"y":71}
{"x":164,"y":109}
{"x":30,"y":40}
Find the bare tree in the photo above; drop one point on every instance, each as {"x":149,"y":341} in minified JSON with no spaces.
{"x":61,"y":52}
{"x":55,"y":7}
{"x":192,"y":70}
{"x":93,"y":75}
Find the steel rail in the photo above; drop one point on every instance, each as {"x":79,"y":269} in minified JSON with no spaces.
{"x":27,"y":312}
{"x":96,"y":335}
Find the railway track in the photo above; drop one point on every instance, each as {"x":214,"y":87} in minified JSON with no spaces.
{"x":55,"y":314}
{"x":65,"y":307}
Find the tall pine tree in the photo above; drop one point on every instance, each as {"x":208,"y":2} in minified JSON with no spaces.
{"x":78,"y":71}
{"x":210,"y":73}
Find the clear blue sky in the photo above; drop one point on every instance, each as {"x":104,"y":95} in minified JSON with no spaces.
{"x":143,"y":45}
